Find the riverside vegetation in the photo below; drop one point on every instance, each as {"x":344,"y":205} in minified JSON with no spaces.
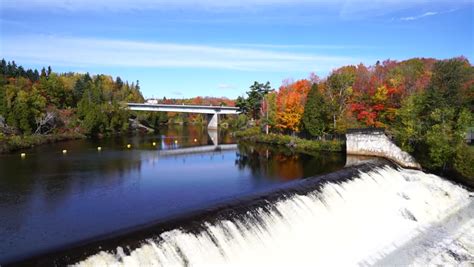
{"x":39,"y":107}
{"x":425,"y":105}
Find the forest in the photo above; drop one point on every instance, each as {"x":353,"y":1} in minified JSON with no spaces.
{"x":45,"y":102}
{"x":425,"y":105}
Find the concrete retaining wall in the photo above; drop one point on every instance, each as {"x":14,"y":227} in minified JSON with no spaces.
{"x":376,"y":143}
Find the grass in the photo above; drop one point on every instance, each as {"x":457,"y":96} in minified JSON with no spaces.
{"x":296,"y":143}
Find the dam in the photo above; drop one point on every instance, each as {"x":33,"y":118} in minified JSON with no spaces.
{"x":357,"y":211}
{"x":313,"y":228}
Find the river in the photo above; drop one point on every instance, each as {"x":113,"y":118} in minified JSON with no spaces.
{"x":50,"y":200}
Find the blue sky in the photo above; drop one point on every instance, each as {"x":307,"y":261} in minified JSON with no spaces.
{"x":186,"y":48}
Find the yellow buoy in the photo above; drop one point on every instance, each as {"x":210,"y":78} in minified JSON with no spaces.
{"x":23,"y":155}
{"x":64,"y":151}
{"x":99,"y":148}
{"x":153,"y":144}
{"x":129,"y":146}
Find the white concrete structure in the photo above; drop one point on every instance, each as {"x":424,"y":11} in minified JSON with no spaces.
{"x":196,"y":149}
{"x":212,"y":111}
{"x":376,"y":143}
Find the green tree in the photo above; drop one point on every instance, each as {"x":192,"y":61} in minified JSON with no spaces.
{"x":3,"y":97}
{"x":252,"y":105}
{"x":316,"y":116}
{"x":269,"y":111}
{"x":434,"y":124}
{"x":242,"y":104}
{"x":407,"y":128}
{"x":338,"y":90}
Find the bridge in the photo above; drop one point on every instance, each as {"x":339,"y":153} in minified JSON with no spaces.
{"x":213,"y":112}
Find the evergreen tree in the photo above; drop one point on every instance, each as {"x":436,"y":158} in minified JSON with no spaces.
{"x":43,"y":72}
{"x":252,"y":105}
{"x":118,"y":83}
{"x":3,"y":67}
{"x":316,"y":116}
{"x":36,"y":76}
{"x":3,"y":98}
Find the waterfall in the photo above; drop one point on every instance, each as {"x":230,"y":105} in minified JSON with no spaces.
{"x":383,"y":216}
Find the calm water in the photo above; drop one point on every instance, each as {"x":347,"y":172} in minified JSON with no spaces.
{"x":48,"y":199}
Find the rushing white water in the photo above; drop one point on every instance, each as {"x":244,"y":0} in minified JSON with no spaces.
{"x":385,"y":216}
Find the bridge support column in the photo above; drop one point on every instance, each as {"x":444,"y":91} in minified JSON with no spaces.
{"x":214,"y":135}
{"x":213,"y":121}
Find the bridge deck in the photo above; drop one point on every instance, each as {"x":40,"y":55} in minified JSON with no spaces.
{"x":184,"y":108}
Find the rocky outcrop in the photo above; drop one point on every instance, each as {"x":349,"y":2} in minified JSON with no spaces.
{"x":4,"y":128}
{"x":374,"y":142}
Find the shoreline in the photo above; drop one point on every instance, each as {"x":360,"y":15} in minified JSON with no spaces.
{"x":10,"y":144}
{"x":295,"y":143}
{"x":300,"y":145}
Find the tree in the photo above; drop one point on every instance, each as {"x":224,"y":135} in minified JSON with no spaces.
{"x":269,"y":111}
{"x":290,"y":103}
{"x":316,"y":116}
{"x":446,"y":111}
{"x":339,"y":90}
{"x":407,"y":127}
{"x":242,"y":104}
{"x":255,"y":97}
{"x":439,"y":136}
{"x":3,"y":97}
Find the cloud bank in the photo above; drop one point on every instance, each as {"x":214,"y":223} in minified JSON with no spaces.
{"x":87,"y":52}
{"x":343,"y":7}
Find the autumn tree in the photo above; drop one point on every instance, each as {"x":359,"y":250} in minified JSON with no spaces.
{"x":290,"y":105}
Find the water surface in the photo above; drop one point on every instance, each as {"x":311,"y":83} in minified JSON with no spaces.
{"x":50,"y":199}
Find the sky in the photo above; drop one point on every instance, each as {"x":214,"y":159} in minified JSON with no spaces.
{"x":187,"y":48}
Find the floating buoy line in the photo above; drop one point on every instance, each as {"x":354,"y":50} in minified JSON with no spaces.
{"x":128,"y":146}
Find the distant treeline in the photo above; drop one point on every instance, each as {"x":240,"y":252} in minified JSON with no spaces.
{"x":47,"y":102}
{"x":173,"y":117}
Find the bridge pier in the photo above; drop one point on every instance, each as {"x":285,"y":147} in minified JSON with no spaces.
{"x":212,"y":121}
{"x":214,"y":135}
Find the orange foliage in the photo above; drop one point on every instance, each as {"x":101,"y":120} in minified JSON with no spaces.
{"x":291,"y":99}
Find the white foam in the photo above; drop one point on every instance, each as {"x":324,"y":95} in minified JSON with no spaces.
{"x":372,"y":219}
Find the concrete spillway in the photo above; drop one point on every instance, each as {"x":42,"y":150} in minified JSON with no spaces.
{"x":375,"y":214}
{"x":376,"y":143}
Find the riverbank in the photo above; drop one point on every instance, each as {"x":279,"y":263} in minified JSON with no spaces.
{"x":297,"y":144}
{"x":10,"y":144}
{"x":461,"y":173}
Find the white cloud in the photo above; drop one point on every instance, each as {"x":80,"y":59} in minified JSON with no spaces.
{"x":427,"y":14}
{"x":225,"y":86}
{"x":345,"y":7}
{"x":87,"y":52}
{"x":305,"y":46}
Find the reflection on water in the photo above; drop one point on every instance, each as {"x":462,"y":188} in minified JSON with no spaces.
{"x":49,"y":199}
{"x":279,"y":163}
